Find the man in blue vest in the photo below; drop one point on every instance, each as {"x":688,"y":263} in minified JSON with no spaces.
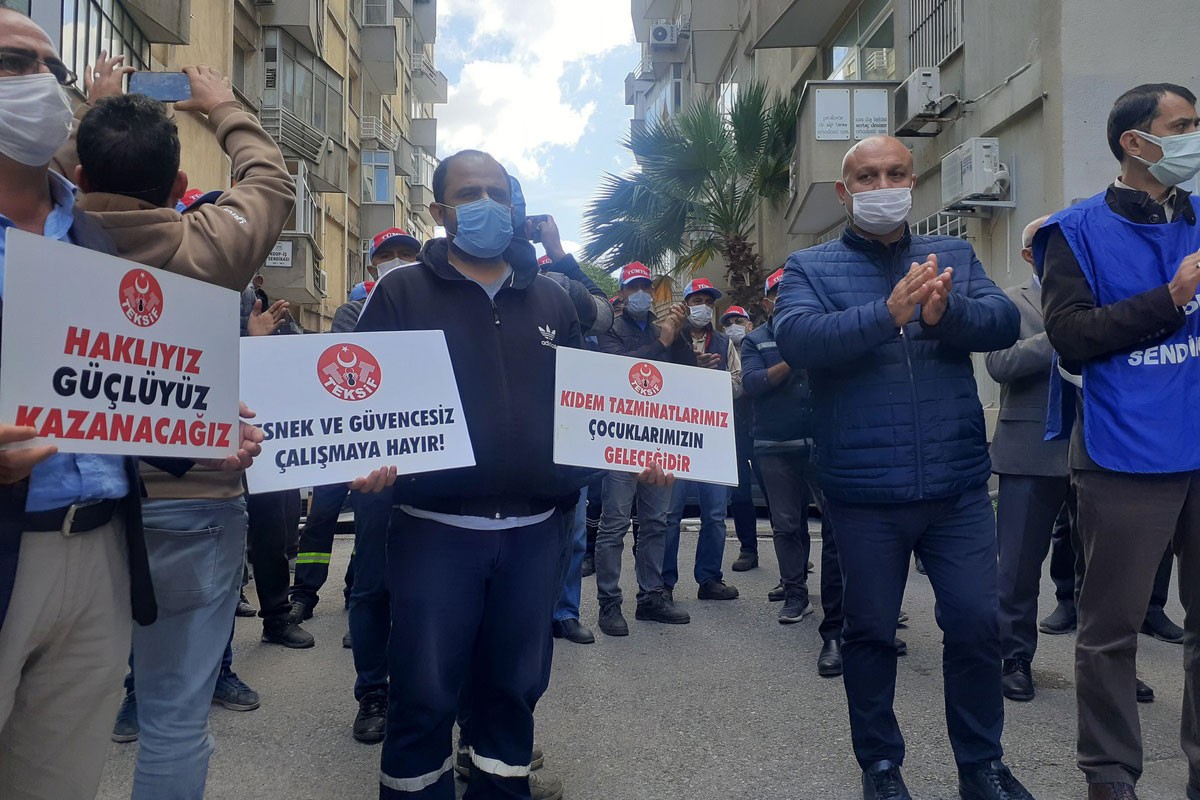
{"x":1121,"y":271}
{"x":885,"y":323}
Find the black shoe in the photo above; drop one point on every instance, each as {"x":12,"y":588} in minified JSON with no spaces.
{"x":1061,"y":620}
{"x":126,"y":728}
{"x":573,"y":631}
{"x":777,"y":594}
{"x":902,"y":620}
{"x":714,"y":590}
{"x":829,"y":663}
{"x":1144,"y":693}
{"x":1158,"y":625}
{"x":1116,"y":791}
{"x":882,"y":781}
{"x":589,"y":566}
{"x":901,"y":647}
{"x":919,"y":563}
{"x":371,"y":718}
{"x":990,"y":781}
{"x":232,"y":693}
{"x":244,"y":609}
{"x":795,"y":608}
{"x":1016,"y":680}
{"x":612,"y":622}
{"x":301,"y":611}
{"x":669,"y":593}
{"x":346,"y":643}
{"x":282,"y":630}
{"x":745,"y":562}
{"x":659,"y":608}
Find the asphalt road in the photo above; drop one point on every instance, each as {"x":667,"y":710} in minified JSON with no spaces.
{"x":729,"y":706}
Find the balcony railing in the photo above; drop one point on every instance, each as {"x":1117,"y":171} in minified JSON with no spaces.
{"x":294,"y":133}
{"x":372,"y":128}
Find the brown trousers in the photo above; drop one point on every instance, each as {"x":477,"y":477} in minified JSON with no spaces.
{"x":1125,"y":523}
{"x":64,"y":649}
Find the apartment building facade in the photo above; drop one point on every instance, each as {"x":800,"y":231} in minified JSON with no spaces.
{"x":1004,"y":104}
{"x":348,"y":88}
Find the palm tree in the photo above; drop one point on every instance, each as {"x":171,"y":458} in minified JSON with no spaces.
{"x":702,"y":175}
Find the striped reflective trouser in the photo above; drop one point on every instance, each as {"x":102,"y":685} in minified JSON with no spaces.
{"x":316,"y":542}
{"x":468,"y":606}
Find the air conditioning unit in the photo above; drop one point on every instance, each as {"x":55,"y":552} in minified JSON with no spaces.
{"x":664,"y":35}
{"x":918,"y":102}
{"x":973,"y":172}
{"x":322,"y":283}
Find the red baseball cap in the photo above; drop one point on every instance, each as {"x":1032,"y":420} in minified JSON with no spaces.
{"x":702,"y":286}
{"x":734,"y":311}
{"x":544,"y":260}
{"x":773,"y":280}
{"x":635,"y":271}
{"x":196,"y":197}
{"x":394,"y":233}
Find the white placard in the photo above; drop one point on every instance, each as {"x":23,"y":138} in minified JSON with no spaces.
{"x":871,"y":113}
{"x":618,"y":413}
{"x":335,"y":407}
{"x":280,"y":255}
{"x":833,"y":114}
{"x":102,"y":355}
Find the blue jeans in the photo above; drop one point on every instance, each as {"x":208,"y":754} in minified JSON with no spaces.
{"x":568,"y":598}
{"x":956,"y":539}
{"x":370,"y":616}
{"x":710,"y":549}
{"x":195,"y":551}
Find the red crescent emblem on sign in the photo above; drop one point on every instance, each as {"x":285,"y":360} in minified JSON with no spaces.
{"x":645,"y":379}
{"x":141,"y":298}
{"x":349,"y":372}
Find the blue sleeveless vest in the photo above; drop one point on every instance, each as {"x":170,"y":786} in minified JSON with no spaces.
{"x":1140,"y":411}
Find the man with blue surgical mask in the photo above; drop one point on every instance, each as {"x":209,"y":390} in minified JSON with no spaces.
{"x":638,"y":333}
{"x":1120,"y":273}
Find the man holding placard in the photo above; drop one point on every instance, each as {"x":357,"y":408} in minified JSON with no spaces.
{"x":473,"y":552}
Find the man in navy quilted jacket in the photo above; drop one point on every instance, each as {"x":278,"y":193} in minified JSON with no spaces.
{"x":885,"y":323}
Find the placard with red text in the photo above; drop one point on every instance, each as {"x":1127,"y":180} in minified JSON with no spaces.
{"x":624,"y":414}
{"x":102,"y":355}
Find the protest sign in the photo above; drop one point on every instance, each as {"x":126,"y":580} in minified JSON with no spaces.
{"x":625,"y":414}
{"x":102,"y":355}
{"x":342,"y":405}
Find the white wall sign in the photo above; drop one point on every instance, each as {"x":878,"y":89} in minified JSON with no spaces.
{"x":346,"y":404}
{"x":125,"y":360}
{"x":833,"y":114}
{"x":624,"y":414}
{"x":871,"y":112}
{"x":280,"y":255}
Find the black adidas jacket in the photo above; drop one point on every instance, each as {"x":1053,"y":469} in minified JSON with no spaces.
{"x":503,"y":353}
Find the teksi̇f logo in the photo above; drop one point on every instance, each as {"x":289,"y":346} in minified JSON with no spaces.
{"x":645,"y":379}
{"x":141,"y":298}
{"x":349,"y":372}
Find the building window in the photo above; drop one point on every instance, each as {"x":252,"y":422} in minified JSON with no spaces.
{"x":90,"y":26}
{"x":937,"y":31}
{"x":303,"y":219}
{"x":378,"y":12}
{"x":377,"y":176}
{"x":941,"y":224}
{"x":728,"y":90}
{"x":864,"y":50}
{"x":16,"y":5}
{"x":302,"y":83}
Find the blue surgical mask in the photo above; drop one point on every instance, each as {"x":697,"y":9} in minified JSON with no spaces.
{"x":637,"y":305}
{"x":484,"y":228}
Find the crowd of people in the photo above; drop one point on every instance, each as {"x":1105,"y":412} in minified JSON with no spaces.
{"x":854,"y":392}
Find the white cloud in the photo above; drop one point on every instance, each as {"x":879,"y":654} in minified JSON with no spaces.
{"x":513,"y":105}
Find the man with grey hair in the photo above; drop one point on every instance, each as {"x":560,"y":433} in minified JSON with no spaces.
{"x":1033,"y":477}
{"x":885,"y":323}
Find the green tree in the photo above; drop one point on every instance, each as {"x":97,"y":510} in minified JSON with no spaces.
{"x":694,"y":197}
{"x":602,"y":278}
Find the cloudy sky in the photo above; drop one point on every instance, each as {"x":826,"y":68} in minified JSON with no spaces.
{"x":540,"y":85}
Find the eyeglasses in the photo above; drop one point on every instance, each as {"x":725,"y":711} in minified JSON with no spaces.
{"x":13,"y":63}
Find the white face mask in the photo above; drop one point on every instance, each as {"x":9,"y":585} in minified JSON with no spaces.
{"x":881,"y":211}
{"x":736,"y":333}
{"x":35,"y":118}
{"x":1180,"y":161}
{"x":700,"y":316}
{"x":395,"y":263}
